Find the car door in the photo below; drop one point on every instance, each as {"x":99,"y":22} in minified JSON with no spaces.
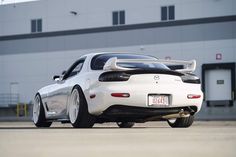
{"x":59,"y":92}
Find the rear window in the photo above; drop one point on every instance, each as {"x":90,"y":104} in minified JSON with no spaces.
{"x":99,"y":61}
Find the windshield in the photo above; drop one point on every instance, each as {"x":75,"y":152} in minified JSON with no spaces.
{"x":99,"y":61}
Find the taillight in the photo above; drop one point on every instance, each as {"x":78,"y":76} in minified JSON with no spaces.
{"x":123,"y":95}
{"x":193,"y":96}
{"x":190,"y":78}
{"x":114,"y":76}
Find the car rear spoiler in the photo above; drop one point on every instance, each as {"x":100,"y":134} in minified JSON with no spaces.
{"x":111,"y":64}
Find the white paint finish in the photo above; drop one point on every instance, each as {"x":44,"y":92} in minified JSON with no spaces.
{"x":139,"y":86}
{"x":56,"y":13}
{"x":216,"y":91}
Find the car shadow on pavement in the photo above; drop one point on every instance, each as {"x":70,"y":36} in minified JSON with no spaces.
{"x":55,"y":128}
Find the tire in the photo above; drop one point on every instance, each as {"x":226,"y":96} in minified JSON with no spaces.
{"x":184,"y":122}
{"x":125,"y":124}
{"x":39,"y":113}
{"x":78,"y":110}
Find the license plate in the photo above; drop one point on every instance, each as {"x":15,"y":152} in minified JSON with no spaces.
{"x":158,"y":100}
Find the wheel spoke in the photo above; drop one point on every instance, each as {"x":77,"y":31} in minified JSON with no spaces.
{"x":74,"y":106}
{"x":77,"y":100}
{"x":172,"y":120}
{"x":75,"y":113}
{"x":36,"y":109}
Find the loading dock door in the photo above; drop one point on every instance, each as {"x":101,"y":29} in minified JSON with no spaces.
{"x":218,"y":85}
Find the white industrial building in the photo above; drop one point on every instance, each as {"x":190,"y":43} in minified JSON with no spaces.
{"x":41,"y":38}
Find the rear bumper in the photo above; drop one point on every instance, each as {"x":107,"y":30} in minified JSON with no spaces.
{"x":139,"y":88}
{"x":117,"y":113}
{"x":139,"y":96}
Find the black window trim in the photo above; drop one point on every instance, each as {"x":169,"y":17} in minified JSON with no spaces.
{"x":167,"y":12}
{"x":36,"y":25}
{"x":120,"y":21}
{"x":72,"y":67}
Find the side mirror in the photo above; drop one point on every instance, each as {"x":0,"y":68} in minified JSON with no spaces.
{"x":56,"y":78}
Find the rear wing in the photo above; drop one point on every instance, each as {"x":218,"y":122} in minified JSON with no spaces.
{"x":111,"y":64}
{"x":189,"y":66}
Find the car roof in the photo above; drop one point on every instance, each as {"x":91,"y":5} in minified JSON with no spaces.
{"x":127,"y":53}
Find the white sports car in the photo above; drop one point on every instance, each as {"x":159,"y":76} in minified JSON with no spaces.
{"x":121,"y":88}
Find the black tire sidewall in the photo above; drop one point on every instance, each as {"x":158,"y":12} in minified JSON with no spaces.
{"x":42,"y":122}
{"x":84,"y":119}
{"x":125,"y":124}
{"x":182,"y":122}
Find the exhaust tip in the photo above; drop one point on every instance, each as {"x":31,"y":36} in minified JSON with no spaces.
{"x":181,"y":114}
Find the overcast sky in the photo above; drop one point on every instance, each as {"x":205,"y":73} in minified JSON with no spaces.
{"x":13,"y":1}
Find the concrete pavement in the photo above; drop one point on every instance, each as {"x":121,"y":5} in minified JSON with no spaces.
{"x":153,"y":139}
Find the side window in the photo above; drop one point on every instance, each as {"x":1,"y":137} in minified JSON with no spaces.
{"x":74,"y":69}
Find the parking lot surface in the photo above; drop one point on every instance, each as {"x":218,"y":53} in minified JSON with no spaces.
{"x":153,"y":139}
